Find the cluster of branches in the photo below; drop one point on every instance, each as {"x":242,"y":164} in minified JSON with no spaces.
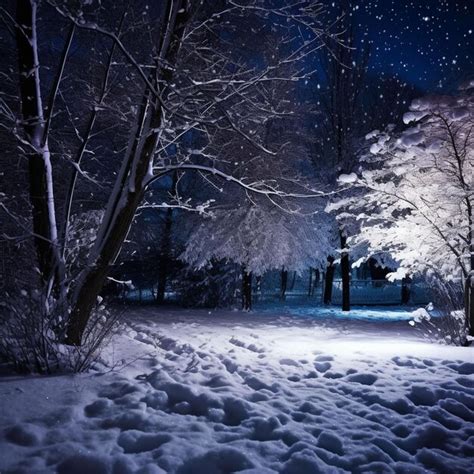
{"x":105,"y":100}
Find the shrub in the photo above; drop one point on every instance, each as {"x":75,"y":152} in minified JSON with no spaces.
{"x":31,"y":331}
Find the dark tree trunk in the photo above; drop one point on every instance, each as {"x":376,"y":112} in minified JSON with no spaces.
{"x":406,"y":290}
{"x":469,"y":285}
{"x":469,"y":306}
{"x":246,"y":290}
{"x":283,"y":284}
{"x":329,"y":278}
{"x":165,"y":251}
{"x":317,"y":278}
{"x":310,"y":283}
{"x":131,"y":194}
{"x":345,"y":275}
{"x":93,"y":279}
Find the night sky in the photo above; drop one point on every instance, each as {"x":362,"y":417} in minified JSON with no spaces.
{"x":427,"y":43}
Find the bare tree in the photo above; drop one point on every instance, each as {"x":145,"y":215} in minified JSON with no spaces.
{"x":180,"y":88}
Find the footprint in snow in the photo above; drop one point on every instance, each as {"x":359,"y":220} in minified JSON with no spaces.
{"x":236,"y":342}
{"x":250,"y":347}
{"x":408,"y":362}
{"x":364,"y":379}
{"x":465,"y":368}
{"x":322,"y":366}
{"x":254,"y":348}
{"x":230,"y":365}
{"x":134,"y":441}
{"x":333,"y":375}
{"x":144,"y":338}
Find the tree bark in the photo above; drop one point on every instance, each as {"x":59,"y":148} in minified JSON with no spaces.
{"x":246,"y":290}
{"x":39,"y":164}
{"x":469,"y":306}
{"x":329,"y":278}
{"x":165,"y":251}
{"x":310,"y":282}
{"x":345,"y":275}
{"x":283,"y":284}
{"x":406,"y":290}
{"x":131,"y":184}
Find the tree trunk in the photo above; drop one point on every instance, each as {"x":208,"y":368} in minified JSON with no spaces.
{"x":39,"y":158}
{"x":469,"y":306}
{"x":469,"y":289}
{"x":163,"y":261}
{"x":283,"y":284}
{"x":246,"y":290}
{"x":131,"y":183}
{"x":406,"y":290}
{"x":345,"y":275}
{"x":165,"y":251}
{"x":329,"y":278}
{"x":310,"y":283}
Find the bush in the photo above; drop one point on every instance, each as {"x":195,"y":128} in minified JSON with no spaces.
{"x":446,"y":323}
{"x":31,"y":332}
{"x":439,"y":326}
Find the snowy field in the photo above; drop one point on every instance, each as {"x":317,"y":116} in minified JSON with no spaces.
{"x":220,"y":392}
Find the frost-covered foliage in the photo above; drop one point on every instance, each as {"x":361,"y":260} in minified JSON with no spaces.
{"x":447,"y":328}
{"x":416,"y":199}
{"x":418,"y":189}
{"x":260,"y":238}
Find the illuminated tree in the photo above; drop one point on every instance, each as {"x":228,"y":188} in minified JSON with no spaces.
{"x":260,"y":238}
{"x":417,"y":188}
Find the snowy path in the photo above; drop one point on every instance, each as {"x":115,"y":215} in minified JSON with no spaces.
{"x":226,"y":391}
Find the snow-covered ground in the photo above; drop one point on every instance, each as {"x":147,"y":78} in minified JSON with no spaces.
{"x":218,"y":392}
{"x":365,"y":313}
